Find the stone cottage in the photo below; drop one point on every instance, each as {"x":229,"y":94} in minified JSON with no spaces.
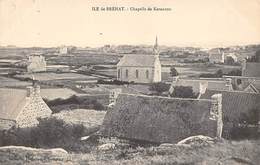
{"x":199,"y":86}
{"x":163,"y":119}
{"x":239,"y":108}
{"x":140,"y":68}
{"x":21,"y":108}
{"x":36,"y":63}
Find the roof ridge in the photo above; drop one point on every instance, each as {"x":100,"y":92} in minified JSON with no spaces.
{"x":234,"y":91}
{"x":162,"y":97}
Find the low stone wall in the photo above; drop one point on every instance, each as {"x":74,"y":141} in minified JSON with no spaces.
{"x":158,"y":119}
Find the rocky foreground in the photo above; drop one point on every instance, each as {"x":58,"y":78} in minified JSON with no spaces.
{"x":208,"y":153}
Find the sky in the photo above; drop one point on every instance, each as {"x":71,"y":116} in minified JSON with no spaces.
{"x":205,"y":23}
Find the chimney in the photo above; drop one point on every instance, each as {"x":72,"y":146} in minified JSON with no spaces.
{"x":229,"y":83}
{"x":30,"y":91}
{"x":244,"y":66}
{"x":37,"y":89}
{"x":113,"y":95}
{"x":203,"y":87}
{"x":216,"y":113}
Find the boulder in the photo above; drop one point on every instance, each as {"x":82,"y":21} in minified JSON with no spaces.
{"x":197,"y":140}
{"x":26,"y":154}
{"x":106,"y":147}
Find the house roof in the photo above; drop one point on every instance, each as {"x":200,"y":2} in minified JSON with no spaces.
{"x":158,"y":119}
{"x":255,"y":86}
{"x":137,"y":60}
{"x":11,"y":102}
{"x":195,"y":84}
{"x":235,"y":103}
{"x":215,"y":51}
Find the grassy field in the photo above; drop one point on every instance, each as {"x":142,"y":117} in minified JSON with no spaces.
{"x":56,"y":76}
{"x":89,"y":118}
{"x":54,"y":93}
{"x":220,"y":153}
{"x":10,"y":82}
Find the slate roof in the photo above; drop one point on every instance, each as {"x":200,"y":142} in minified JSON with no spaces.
{"x":137,"y":60}
{"x":235,"y":103}
{"x":11,"y":102}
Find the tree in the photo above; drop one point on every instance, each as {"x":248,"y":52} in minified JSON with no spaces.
{"x":235,"y":72}
{"x":159,"y":87}
{"x":173,"y":72}
{"x":217,"y":74}
{"x":230,"y":61}
{"x":183,"y":92}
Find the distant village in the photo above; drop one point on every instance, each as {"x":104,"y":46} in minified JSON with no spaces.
{"x":156,"y":93}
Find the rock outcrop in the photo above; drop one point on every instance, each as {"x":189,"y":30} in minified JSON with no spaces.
{"x":23,"y":155}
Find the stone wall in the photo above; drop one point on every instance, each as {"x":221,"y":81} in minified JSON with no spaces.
{"x":158,"y":119}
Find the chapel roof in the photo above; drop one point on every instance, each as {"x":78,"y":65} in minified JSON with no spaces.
{"x":138,"y":60}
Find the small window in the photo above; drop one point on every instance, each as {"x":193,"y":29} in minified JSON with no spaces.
{"x":214,"y":111}
{"x":239,"y":81}
{"x":136,"y":73}
{"x":147,"y":73}
{"x":126,"y":73}
{"x":118,"y":73}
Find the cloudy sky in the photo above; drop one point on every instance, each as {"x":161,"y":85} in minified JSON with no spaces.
{"x":72,"y":22}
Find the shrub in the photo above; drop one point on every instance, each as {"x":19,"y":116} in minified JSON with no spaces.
{"x":74,"y":102}
{"x":50,"y":133}
{"x":183,"y":92}
{"x":114,"y":82}
{"x":244,"y":132}
{"x":217,"y":74}
{"x":159,"y":88}
{"x":173,"y":72}
{"x":236,"y":72}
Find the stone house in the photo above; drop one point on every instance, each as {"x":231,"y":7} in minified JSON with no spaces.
{"x":199,"y":86}
{"x":63,"y":50}
{"x":238,"y":108}
{"x":21,"y":108}
{"x":163,"y":119}
{"x":216,"y":56}
{"x":36,"y":63}
{"x":140,"y":68}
